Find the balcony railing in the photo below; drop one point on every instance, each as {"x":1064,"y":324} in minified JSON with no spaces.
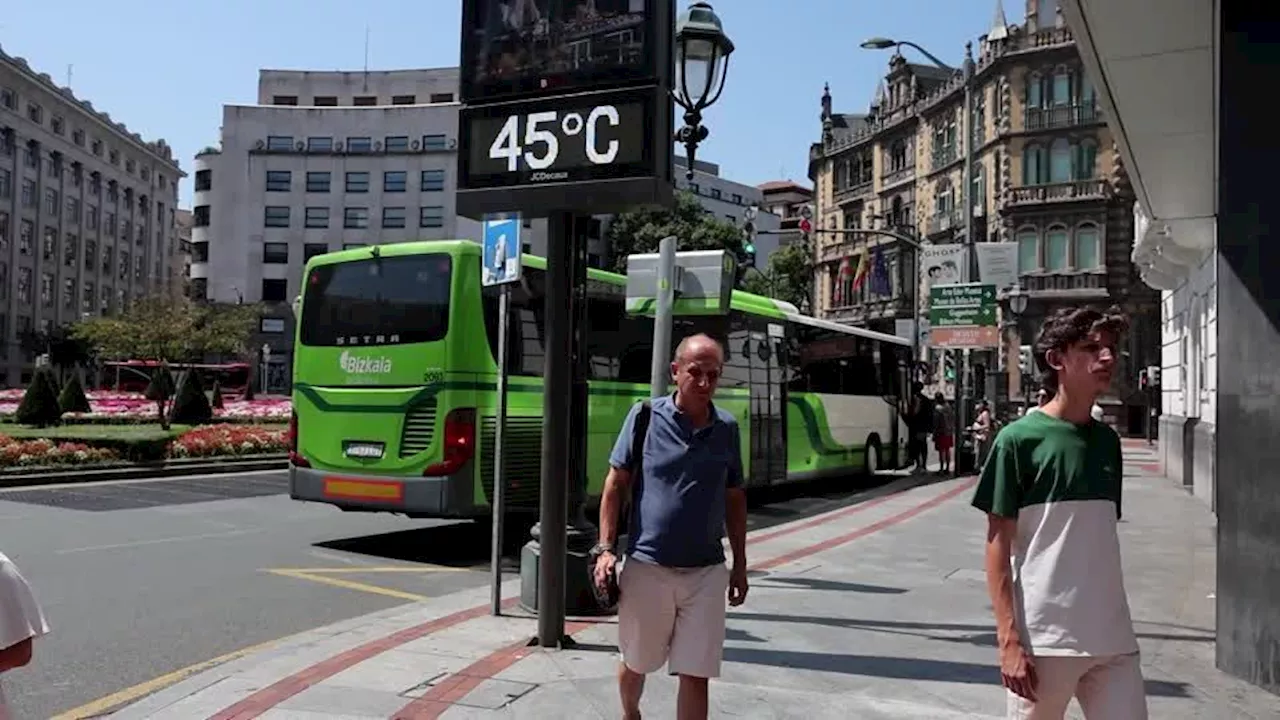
{"x":945,"y":221}
{"x":944,"y":156}
{"x":1089,"y":283}
{"x":854,"y":191}
{"x":1062,"y":116}
{"x":895,"y":177}
{"x":1075,"y":191}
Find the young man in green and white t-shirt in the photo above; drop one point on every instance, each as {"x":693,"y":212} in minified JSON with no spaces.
{"x":1051,"y":489}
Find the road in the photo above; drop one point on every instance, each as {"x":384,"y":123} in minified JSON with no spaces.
{"x":141,"y":579}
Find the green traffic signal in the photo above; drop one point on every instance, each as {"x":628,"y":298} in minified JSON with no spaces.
{"x":749,"y":248}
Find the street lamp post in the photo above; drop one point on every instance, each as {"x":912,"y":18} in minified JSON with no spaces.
{"x":702,"y":64}
{"x":1017,"y":306}
{"x":969,"y":272}
{"x":266,"y":364}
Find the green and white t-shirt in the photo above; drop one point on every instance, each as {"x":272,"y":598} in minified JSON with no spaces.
{"x":1061,"y":481}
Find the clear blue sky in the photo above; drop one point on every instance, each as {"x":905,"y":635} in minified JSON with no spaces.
{"x":165,"y":68}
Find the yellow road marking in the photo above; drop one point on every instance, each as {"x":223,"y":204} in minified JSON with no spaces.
{"x":356,"y":569}
{"x":104,"y":704}
{"x":348,"y":584}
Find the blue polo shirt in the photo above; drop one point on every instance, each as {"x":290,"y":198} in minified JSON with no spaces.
{"x":678,"y":497}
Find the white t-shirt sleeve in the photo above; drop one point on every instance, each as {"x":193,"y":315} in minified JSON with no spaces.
{"x":20,"y":615}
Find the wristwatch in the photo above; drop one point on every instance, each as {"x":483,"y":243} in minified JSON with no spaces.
{"x":601,"y":548}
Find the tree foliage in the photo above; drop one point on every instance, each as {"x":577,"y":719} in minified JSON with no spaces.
{"x":172,"y":330}
{"x":72,"y":398}
{"x":640,"y":231}
{"x":159,"y":390}
{"x":788,"y":276}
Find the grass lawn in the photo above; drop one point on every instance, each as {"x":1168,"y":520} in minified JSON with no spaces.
{"x":90,"y":432}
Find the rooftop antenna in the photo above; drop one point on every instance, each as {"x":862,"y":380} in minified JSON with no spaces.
{"x":366,"y":48}
{"x":69,"y":69}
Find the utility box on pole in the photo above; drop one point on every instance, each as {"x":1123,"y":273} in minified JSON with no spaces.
{"x":703,"y":282}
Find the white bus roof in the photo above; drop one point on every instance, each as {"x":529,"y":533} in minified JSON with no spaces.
{"x":846,"y":329}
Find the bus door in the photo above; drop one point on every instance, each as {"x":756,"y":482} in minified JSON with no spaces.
{"x":768,"y":420}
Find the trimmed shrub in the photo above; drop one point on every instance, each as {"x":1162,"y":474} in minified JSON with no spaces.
{"x":72,"y":397}
{"x":215,"y":398}
{"x":249,"y":393}
{"x":191,"y":405}
{"x":161,"y":385}
{"x":39,"y":406}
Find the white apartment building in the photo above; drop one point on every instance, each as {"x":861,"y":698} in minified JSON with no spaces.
{"x":87,"y":219}
{"x":728,"y":200}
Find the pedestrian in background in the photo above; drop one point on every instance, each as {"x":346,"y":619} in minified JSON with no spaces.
{"x":21,"y":622}
{"x":679,"y":457}
{"x":1051,"y":491}
{"x":944,"y":432}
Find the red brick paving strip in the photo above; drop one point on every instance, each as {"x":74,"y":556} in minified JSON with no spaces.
{"x":449,"y":691}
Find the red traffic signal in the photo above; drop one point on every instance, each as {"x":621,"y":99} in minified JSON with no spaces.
{"x":806,"y":227}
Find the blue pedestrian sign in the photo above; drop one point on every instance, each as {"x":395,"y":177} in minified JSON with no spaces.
{"x":501,"y":261}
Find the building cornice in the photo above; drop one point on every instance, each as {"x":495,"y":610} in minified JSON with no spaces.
{"x":158,"y":150}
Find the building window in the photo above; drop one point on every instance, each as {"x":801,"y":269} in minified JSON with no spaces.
{"x":52,"y":203}
{"x":318,"y":182}
{"x":1034,"y":171}
{"x":1086,"y":161}
{"x":199,"y":216}
{"x":1087,"y":247}
{"x":1028,"y":252}
{"x":434,"y":142}
{"x":280,"y":143}
{"x":200,"y":252}
{"x":432,"y":180}
{"x":1055,"y":250}
{"x":310,"y":250}
{"x":28,"y":193}
{"x":284,"y":100}
{"x":395,"y":181}
{"x":24,"y":285}
{"x":441,"y":98}
{"x":431,"y":216}
{"x":26,"y":237}
{"x":355,"y":218}
{"x":393,"y":217}
{"x":204,"y":180}
{"x":279,"y":180}
{"x":325,"y":101}
{"x":365,"y":100}
{"x":6,"y":183}
{"x":317,"y":217}
{"x":396,"y":143}
{"x":359,"y":144}
{"x":404,"y":99}
{"x":275,"y":253}
{"x":357,"y":182}
{"x":275,"y":290}
{"x":276,"y":216}
{"x":319,"y":144}
{"x":1034,"y":83}
{"x":1060,"y":161}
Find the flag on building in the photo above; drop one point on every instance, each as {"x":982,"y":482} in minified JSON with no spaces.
{"x":881,"y":283}
{"x":842,"y":275}
{"x":863,"y":268}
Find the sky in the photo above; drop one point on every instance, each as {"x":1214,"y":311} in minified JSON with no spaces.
{"x":165,"y":67}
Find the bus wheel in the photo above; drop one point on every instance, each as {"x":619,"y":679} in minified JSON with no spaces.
{"x":871,"y":455}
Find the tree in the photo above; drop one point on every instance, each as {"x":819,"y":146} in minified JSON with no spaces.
{"x":72,"y":398}
{"x":164,"y":329}
{"x":788,"y":276}
{"x":640,"y":231}
{"x":159,"y":390}
{"x":39,"y":406}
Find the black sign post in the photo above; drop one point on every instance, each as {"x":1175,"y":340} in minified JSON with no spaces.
{"x":566,"y":112}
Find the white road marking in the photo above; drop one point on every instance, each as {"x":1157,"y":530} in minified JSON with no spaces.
{"x":158,"y":541}
{"x":137,"y":481}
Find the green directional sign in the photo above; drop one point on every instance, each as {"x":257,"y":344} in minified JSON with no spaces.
{"x":963,"y":315}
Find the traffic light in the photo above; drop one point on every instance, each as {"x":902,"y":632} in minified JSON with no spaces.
{"x":749,"y":234}
{"x":1153,"y":375}
{"x":949,"y":367}
{"x":1144,"y":382}
{"x":1026,"y":363}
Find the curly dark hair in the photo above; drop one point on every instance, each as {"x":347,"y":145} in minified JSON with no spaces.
{"x":1067,"y":326}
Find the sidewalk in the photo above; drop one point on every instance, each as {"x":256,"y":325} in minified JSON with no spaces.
{"x":877,"y":610}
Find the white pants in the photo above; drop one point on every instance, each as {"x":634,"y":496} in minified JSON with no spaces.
{"x":1108,"y":688}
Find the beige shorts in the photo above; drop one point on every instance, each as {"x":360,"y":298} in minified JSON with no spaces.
{"x":1107,"y":688}
{"x":672,"y":615}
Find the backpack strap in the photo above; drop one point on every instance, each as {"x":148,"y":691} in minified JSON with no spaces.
{"x":639,"y":432}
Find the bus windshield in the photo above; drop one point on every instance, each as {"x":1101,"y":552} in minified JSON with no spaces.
{"x":399,"y":299}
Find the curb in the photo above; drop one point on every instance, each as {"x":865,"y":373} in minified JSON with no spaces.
{"x":174,"y":468}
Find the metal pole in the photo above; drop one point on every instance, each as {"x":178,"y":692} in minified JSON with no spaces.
{"x":556,"y":406}
{"x":659,"y":371}
{"x":499,"y":472}
{"x":970,"y":270}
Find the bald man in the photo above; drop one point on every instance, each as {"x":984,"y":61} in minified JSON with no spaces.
{"x":687,"y":492}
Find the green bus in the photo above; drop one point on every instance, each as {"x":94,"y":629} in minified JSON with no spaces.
{"x":395,"y":377}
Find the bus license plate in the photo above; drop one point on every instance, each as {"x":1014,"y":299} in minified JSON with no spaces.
{"x":364,"y":450}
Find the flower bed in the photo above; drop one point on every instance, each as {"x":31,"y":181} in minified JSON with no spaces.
{"x":44,"y":453}
{"x":126,"y":408}
{"x":222,"y":440}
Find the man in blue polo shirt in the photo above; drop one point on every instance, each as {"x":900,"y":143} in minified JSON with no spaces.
{"x":686,"y":493}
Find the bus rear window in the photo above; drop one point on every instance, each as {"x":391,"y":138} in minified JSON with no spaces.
{"x":385,"y":300}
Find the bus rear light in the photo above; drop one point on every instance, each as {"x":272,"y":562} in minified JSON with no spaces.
{"x":459,"y":442}
{"x":295,"y":457}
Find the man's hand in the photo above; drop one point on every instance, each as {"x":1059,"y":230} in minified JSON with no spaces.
{"x":1018,"y":671}
{"x":737,"y":585}
{"x":605,"y":565}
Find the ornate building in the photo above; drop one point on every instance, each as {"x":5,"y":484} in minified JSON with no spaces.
{"x":1046,"y":175}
